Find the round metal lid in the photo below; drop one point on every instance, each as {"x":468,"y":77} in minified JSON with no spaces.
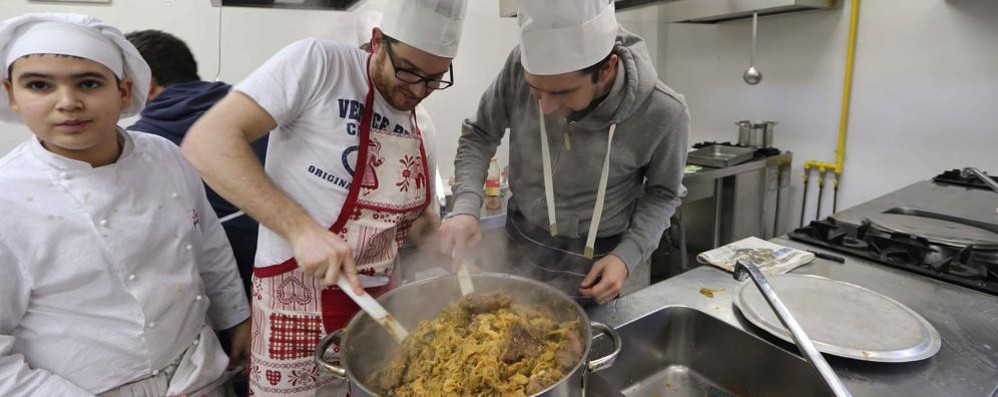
{"x":843,"y":319}
{"x":935,"y":230}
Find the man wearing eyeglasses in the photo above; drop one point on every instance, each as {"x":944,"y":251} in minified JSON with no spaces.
{"x":597,"y":151}
{"x":347,"y":177}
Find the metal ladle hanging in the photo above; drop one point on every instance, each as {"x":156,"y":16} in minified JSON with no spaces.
{"x":752,"y":76}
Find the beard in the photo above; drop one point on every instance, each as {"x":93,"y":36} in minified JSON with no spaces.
{"x":576,"y":115}
{"x":390,"y":88}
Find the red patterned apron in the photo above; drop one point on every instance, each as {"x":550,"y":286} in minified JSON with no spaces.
{"x":291,"y":310}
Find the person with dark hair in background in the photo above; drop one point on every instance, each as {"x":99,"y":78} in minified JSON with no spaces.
{"x":177,"y":98}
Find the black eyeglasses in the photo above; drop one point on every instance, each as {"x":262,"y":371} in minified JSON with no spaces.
{"x":412,"y":77}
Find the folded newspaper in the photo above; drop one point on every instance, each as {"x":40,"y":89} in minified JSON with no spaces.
{"x":770,"y":258}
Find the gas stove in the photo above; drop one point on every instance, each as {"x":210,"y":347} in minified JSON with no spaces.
{"x":969,"y":265}
{"x":959,"y":178}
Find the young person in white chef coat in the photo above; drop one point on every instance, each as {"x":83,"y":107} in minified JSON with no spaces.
{"x":113,"y":266}
{"x":346,"y":177}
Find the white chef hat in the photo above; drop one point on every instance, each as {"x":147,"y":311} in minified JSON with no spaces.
{"x":433,"y":26}
{"x":561,"y":36}
{"x":366,"y":21}
{"x":76,"y":35}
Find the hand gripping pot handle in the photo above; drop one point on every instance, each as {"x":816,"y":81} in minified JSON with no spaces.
{"x":331,"y":339}
{"x":606,"y":361}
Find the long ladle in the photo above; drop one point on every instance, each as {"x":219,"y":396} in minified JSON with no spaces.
{"x":752,"y":76}
{"x":375,"y":310}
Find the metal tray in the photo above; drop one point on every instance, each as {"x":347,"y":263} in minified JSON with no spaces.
{"x":940,"y":231}
{"x":843,"y":319}
{"x":720,"y":156}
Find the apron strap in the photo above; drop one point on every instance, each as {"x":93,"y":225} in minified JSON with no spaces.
{"x":361,"y":167}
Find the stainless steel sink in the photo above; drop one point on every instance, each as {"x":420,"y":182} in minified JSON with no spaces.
{"x":678,"y":351}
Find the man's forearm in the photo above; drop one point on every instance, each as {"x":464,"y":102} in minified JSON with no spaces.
{"x":475,"y":148}
{"x":228,"y":164}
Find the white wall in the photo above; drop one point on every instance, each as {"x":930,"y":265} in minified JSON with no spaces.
{"x":248,"y":35}
{"x":925,"y":93}
{"x":485,"y":45}
{"x":924,"y":96}
{"x":251,"y":35}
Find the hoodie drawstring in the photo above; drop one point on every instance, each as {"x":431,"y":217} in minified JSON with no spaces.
{"x":549,"y":186}
{"x":600,"y":197}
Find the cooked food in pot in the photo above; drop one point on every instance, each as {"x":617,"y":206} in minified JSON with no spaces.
{"x":483,"y":345}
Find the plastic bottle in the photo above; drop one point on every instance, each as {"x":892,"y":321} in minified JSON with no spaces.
{"x":493,"y":193}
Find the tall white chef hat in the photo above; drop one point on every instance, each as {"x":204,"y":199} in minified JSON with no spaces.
{"x":366,"y":21}
{"x":433,"y":26}
{"x":77,"y":35}
{"x":561,"y":36}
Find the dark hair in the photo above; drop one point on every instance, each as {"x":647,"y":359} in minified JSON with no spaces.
{"x":391,"y":40}
{"x":366,"y":46}
{"x":593,"y":70}
{"x":168,"y":57}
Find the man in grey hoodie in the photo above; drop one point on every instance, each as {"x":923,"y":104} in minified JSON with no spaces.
{"x":594,"y":180}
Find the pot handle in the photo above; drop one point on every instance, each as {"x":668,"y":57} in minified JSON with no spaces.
{"x":335,"y":370}
{"x":606,"y":361}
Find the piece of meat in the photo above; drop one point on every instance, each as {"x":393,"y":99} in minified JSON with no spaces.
{"x":565,"y":359}
{"x":519,"y":344}
{"x":484,"y":303}
{"x":540,"y":382}
{"x":575,"y":343}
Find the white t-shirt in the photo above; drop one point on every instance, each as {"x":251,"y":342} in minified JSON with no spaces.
{"x":315,"y":90}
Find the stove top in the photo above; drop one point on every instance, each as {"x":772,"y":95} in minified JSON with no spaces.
{"x":969,"y":266}
{"x":956,"y":177}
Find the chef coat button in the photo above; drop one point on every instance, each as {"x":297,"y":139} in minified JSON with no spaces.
{"x":152,"y":324}
{"x":103,"y":222}
{"x":155,"y":372}
{"x":131,"y":277}
{"x":174,"y":195}
{"x":197,"y":298}
{"x":189,"y":247}
{"x":64,"y":175}
{"x":196,"y":341}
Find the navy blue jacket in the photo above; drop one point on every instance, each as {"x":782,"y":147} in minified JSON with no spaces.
{"x":175,"y":110}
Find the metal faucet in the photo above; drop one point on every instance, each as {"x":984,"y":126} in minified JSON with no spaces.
{"x":971,"y":171}
{"x":744,"y":270}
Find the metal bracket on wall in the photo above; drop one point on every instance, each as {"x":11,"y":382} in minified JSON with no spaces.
{"x":700,"y":11}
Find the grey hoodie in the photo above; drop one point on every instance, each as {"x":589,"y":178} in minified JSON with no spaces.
{"x":646,"y":163}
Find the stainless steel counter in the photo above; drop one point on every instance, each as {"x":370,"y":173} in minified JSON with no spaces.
{"x":967,"y":321}
{"x":973,"y":204}
{"x":723,"y":205}
{"x":701,"y":184}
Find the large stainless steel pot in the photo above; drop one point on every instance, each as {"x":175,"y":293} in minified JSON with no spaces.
{"x":365,"y":347}
{"x":757,"y":134}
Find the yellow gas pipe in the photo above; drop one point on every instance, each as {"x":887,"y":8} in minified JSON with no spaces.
{"x":840,"y":151}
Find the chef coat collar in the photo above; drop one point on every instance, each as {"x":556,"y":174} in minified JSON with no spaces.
{"x":63,"y":163}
